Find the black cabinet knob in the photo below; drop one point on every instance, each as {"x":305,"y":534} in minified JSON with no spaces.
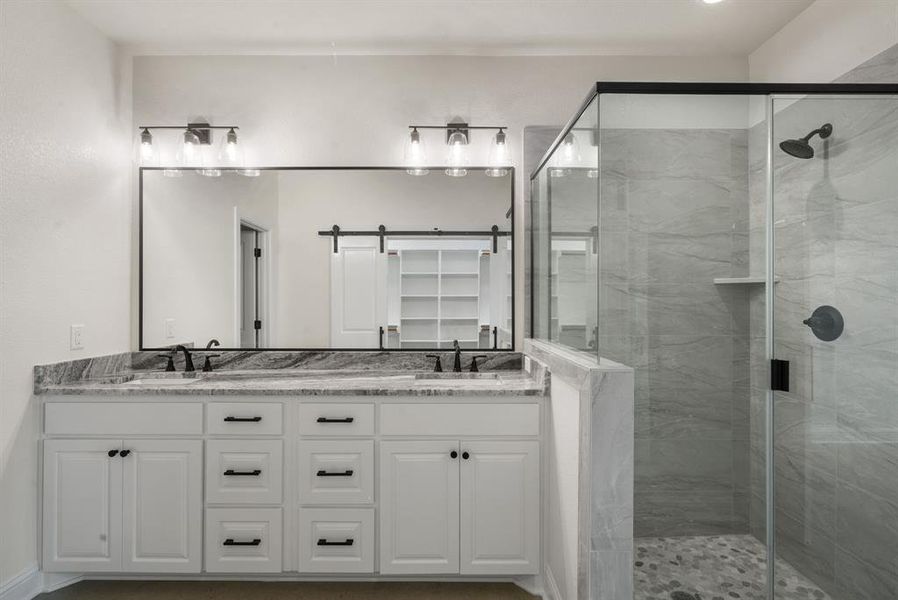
{"x":112,"y":453}
{"x":453,"y":454}
{"x":465,"y":455}
{"x":124,"y":453}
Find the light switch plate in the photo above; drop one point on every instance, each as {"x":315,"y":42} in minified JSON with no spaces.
{"x":169,"y":329}
{"x":76,"y":337}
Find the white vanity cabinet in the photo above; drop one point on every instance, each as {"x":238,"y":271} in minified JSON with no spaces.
{"x":468,"y":503}
{"x":304,"y":486}
{"x":122,"y":505}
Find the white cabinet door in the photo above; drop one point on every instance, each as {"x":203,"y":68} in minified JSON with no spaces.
{"x":419,"y":507}
{"x":499,"y":508}
{"x":82,"y":506}
{"x":162,"y":506}
{"x":358,"y":293}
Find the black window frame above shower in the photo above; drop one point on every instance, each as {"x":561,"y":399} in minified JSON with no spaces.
{"x":513,"y":232}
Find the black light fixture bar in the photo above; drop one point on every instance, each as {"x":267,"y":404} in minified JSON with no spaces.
{"x":189,"y":126}
{"x":459,"y":126}
{"x":382,"y":233}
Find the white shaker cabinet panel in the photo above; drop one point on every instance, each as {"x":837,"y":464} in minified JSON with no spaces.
{"x":419,"y":507}
{"x":162,"y":506}
{"x":244,"y":471}
{"x":499,"y":507}
{"x":244,"y":540}
{"x":82,"y":506}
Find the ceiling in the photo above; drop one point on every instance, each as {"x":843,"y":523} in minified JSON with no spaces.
{"x":483,"y":27}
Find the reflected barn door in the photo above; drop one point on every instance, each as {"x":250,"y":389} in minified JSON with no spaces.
{"x":358,"y":293}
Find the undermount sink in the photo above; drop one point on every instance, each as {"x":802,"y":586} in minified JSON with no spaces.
{"x":451,"y":376}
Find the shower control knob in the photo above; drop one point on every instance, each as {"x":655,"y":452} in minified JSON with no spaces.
{"x":826,"y":323}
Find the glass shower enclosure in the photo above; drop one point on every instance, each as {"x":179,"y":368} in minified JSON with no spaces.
{"x":737,"y":245}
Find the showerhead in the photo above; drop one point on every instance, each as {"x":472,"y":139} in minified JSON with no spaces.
{"x":800,"y":148}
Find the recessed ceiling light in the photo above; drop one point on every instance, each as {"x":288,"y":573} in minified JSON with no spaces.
{"x":712,"y":1}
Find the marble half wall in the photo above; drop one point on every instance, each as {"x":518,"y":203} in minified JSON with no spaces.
{"x":602,"y":395}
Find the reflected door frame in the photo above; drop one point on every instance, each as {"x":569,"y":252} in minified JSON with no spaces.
{"x":260,"y":292}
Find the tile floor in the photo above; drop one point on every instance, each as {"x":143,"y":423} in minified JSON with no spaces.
{"x":724,"y":567}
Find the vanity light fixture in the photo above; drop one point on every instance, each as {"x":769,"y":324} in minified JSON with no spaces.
{"x":458,"y":140}
{"x":458,"y":153}
{"x":498,"y":160}
{"x":415,"y":155}
{"x":147,"y":152}
{"x":193,"y":150}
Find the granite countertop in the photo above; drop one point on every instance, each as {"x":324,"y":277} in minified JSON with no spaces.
{"x":306,"y":382}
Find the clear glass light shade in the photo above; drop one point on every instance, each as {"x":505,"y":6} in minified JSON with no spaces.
{"x":147,"y":153}
{"x":458,"y":154}
{"x":189,"y":154}
{"x":567,"y":156}
{"x":230,"y":153}
{"x":498,"y":159}
{"x":415,"y":155}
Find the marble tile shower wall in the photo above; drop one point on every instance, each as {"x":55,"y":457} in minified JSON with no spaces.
{"x":673,"y":216}
{"x":836,"y":432}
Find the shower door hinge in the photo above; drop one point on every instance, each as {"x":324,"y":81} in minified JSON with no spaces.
{"x":257,"y":324}
{"x":779,"y":375}
{"x":257,"y":252}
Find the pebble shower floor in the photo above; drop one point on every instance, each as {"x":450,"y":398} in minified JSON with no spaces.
{"x":721,"y":567}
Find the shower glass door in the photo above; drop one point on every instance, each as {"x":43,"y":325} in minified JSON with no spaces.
{"x":835,"y":320}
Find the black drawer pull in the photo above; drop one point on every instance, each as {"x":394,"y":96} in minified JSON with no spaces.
{"x":242,"y":419}
{"x":325,"y":542}
{"x":232,"y":542}
{"x":346,"y":473}
{"x":253,"y":473}
{"x":329,"y":420}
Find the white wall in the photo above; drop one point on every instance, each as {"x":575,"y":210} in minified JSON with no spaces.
{"x":64,"y":228}
{"x":827,"y":39}
{"x":354,"y":110}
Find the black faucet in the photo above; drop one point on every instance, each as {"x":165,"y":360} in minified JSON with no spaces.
{"x":438,"y":366}
{"x":188,"y":361}
{"x":456,"y":365}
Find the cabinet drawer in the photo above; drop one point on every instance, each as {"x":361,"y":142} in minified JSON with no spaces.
{"x":245,"y":418}
{"x":336,"y":472}
{"x":458,"y":418}
{"x":123,"y":418}
{"x":243,"y":540}
{"x":332,"y":419}
{"x":336,"y":540}
{"x":244,"y":471}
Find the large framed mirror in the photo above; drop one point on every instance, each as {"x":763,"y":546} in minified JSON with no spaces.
{"x":327,"y":258}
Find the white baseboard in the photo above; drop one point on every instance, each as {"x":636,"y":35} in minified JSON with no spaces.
{"x":56,"y":581}
{"x":552,"y":591}
{"x":531,"y":584}
{"x":24,"y":586}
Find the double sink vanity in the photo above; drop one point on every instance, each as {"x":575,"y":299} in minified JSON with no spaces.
{"x":291,"y":463}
